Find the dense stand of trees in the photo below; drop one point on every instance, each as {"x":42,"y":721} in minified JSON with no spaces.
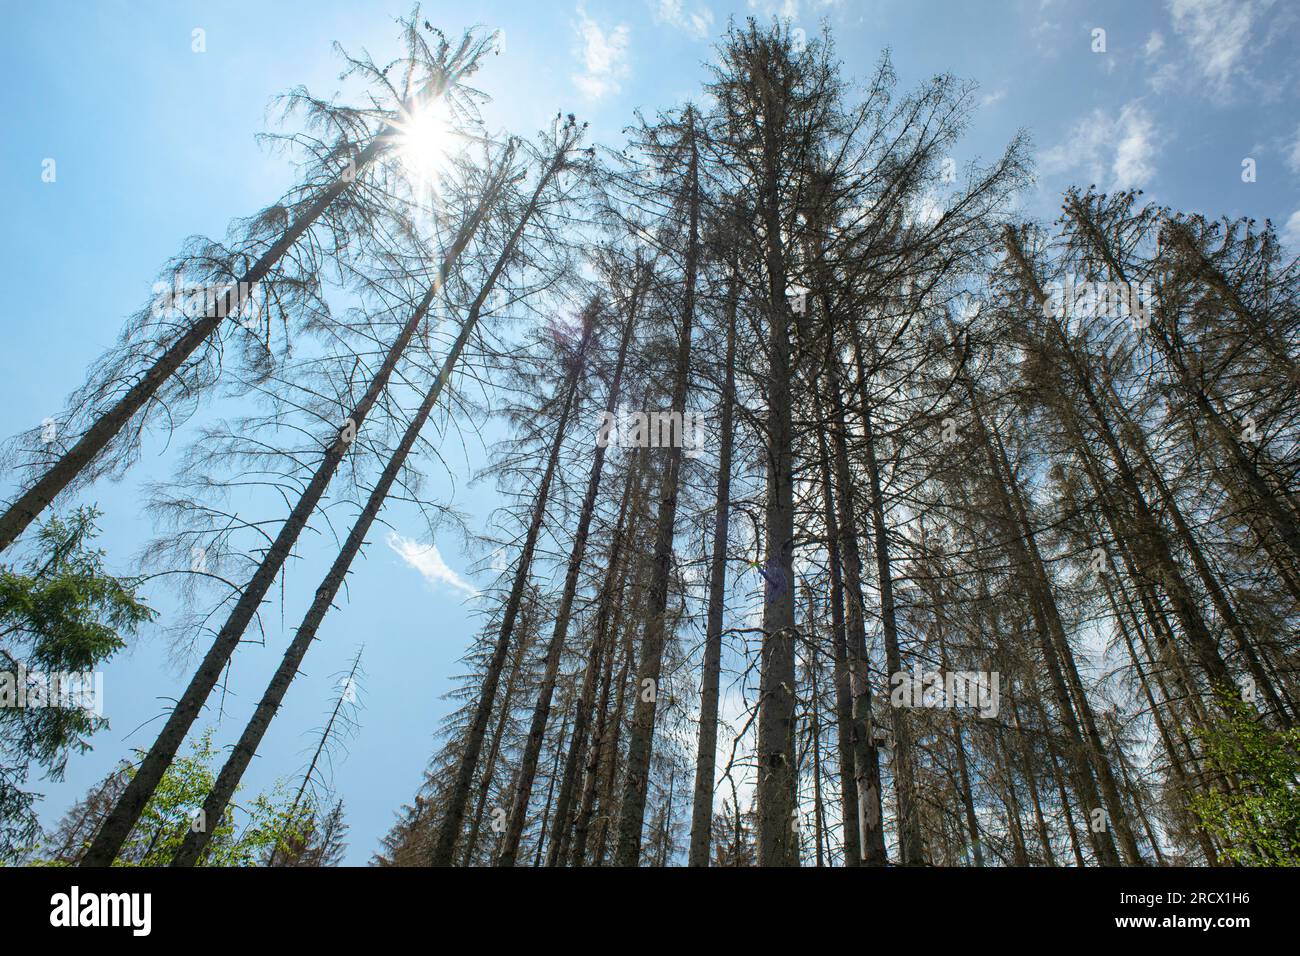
{"x":804,"y":424}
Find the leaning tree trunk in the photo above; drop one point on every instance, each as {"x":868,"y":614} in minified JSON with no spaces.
{"x":599,"y":659}
{"x":494,"y":748}
{"x":1028,"y":565}
{"x":458,"y":798}
{"x":605,"y":733}
{"x":1147,"y":528}
{"x":1272,"y":505}
{"x":117,"y":826}
{"x":242,"y":754}
{"x":542,"y":711}
{"x":96,"y":438}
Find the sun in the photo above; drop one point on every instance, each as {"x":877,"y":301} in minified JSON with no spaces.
{"x":424,"y":142}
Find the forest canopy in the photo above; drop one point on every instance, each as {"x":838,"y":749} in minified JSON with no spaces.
{"x":847,"y":515}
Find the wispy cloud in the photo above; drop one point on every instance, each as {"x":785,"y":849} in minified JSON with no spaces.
{"x":426,"y":559}
{"x":1293,"y":153}
{"x":1119,"y":149}
{"x":697,"y":23}
{"x":604,"y":57}
{"x":1291,"y":231}
{"x":1217,"y":34}
{"x":1164,"y":78}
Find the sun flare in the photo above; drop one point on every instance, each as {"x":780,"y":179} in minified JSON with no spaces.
{"x":425,"y":141}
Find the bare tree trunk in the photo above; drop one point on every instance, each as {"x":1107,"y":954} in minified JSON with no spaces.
{"x":963,"y":772}
{"x":494,"y":748}
{"x":1148,"y":529}
{"x":542,"y":711}
{"x":117,"y":826}
{"x":602,"y":761}
{"x":607,"y":776}
{"x":866,"y":754}
{"x":601,"y":657}
{"x":641,"y":740}
{"x":1021,"y":855}
{"x":1026,"y":770}
{"x":1175,"y":763}
{"x":1063,"y":664}
{"x":609,"y":618}
{"x":909,"y":836}
{"x":812,"y":664}
{"x":550,"y":789}
{"x":1028,"y":563}
{"x":458,"y":797}
{"x":95,"y":439}
{"x":967,"y":798}
{"x":242,"y":754}
{"x":851,"y":803}
{"x":706,"y":751}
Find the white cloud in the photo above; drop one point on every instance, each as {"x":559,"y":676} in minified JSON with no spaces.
{"x":1047,"y":35}
{"x":989,"y":99}
{"x":1115,"y":149}
{"x":698,"y":24}
{"x":1293,"y":154}
{"x":604,"y":57}
{"x":428,"y":561}
{"x":1135,"y":155}
{"x":1291,"y":231}
{"x":1155,"y":43}
{"x":1164,"y":78}
{"x":1217,"y":33}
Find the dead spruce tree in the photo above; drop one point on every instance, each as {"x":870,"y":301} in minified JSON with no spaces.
{"x":170,"y":352}
{"x":562,"y":148}
{"x":118,"y":825}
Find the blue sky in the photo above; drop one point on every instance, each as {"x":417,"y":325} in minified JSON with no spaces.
{"x":154,"y":142}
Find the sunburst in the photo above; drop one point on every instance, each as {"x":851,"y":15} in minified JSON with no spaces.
{"x":425,"y":140}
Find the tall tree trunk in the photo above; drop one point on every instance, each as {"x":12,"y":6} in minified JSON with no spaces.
{"x":1147,"y":528}
{"x":1028,"y":564}
{"x":852,"y":804}
{"x":494,"y":748}
{"x":601,"y":657}
{"x":609,"y":627}
{"x":707,"y":749}
{"x":909,"y":834}
{"x":542,"y":711}
{"x":607,"y":775}
{"x":117,"y":826}
{"x":458,"y":797}
{"x":550,"y":788}
{"x":242,"y":754}
{"x":641,"y":741}
{"x":814,"y":715}
{"x":866,"y":754}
